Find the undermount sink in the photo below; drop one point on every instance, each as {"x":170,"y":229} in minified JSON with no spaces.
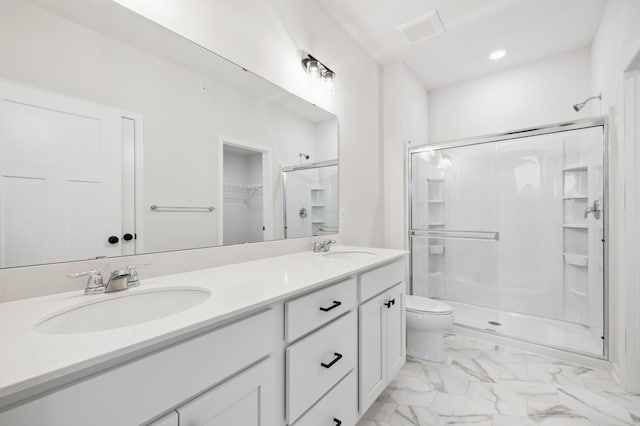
{"x":122,"y":310}
{"x":349,"y":255}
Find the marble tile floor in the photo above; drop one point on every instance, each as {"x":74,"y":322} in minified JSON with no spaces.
{"x":491,"y":385}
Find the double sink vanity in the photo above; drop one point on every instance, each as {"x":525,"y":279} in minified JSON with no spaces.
{"x":302,"y":339}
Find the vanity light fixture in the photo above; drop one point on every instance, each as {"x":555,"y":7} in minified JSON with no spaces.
{"x":497,"y":54}
{"x":316,"y":69}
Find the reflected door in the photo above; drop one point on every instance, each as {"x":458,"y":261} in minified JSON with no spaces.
{"x":60,"y":178}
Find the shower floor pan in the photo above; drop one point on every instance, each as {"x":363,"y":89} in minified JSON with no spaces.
{"x":543,"y":331}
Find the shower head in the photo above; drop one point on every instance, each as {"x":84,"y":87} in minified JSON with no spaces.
{"x":578,"y":107}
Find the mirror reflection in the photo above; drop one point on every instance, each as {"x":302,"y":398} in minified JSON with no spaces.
{"x":127,"y":139}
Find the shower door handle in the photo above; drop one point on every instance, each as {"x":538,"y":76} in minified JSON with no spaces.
{"x":594,"y":209}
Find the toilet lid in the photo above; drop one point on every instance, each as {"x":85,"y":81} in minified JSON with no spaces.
{"x":424,"y":304}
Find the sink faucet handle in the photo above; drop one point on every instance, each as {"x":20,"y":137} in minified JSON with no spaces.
{"x":329,"y":243}
{"x":132,"y":279}
{"x":95,"y":284}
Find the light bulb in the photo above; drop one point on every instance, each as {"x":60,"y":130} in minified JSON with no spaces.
{"x":313,"y":68}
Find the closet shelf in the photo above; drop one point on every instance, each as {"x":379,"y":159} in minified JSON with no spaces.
{"x":242,"y":192}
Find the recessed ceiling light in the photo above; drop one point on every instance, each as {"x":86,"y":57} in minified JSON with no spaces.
{"x":497,"y":54}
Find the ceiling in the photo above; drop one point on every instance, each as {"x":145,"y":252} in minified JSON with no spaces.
{"x":528,"y":29}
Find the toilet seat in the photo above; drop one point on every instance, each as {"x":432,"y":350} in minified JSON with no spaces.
{"x":425,"y":305}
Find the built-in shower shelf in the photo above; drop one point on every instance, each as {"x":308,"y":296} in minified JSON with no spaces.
{"x":579,"y":293}
{"x":436,"y":224}
{"x":576,"y":259}
{"x":436,"y":249}
{"x":575,"y":226}
{"x":576,"y":197}
{"x":435,"y":180}
{"x":576,"y":168}
{"x":317,"y":189}
{"x":436,"y":201}
{"x":317,"y":205}
{"x":317,"y":222}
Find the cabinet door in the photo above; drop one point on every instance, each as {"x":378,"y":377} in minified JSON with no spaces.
{"x":373,"y":352}
{"x":247,"y":399}
{"x":170,"y":419}
{"x":396,"y":348}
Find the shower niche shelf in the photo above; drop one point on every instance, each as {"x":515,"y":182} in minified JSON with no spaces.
{"x":317,"y":210}
{"x":576,"y":259}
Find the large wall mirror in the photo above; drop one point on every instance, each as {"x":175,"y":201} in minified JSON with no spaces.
{"x":119,"y":137}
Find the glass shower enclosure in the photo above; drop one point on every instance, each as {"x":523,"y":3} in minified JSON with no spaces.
{"x":510,"y":230}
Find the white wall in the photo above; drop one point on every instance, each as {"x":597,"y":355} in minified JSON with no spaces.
{"x":541,"y":92}
{"x":266,"y":37}
{"x":617,"y":41}
{"x":405,"y":120}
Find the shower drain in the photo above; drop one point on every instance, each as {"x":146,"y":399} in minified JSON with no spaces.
{"x":495,"y":323}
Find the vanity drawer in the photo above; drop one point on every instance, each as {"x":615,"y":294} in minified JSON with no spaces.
{"x":310,"y":311}
{"x":339,"y":405}
{"x":317,"y":362}
{"x":381,"y":279}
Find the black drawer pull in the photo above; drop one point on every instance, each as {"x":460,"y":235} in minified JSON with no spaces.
{"x":336,"y":359}
{"x":338,"y":421}
{"x":335,"y":305}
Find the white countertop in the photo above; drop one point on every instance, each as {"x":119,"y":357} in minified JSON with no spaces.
{"x":33,"y":362}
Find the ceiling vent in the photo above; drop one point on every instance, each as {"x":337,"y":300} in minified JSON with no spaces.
{"x":422,"y":27}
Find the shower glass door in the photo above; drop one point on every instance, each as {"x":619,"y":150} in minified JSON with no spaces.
{"x":509,"y":232}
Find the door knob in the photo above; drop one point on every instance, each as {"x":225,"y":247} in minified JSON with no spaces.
{"x":113,"y":239}
{"x":127,"y":237}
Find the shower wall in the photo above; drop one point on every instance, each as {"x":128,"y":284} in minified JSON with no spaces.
{"x":533,"y":192}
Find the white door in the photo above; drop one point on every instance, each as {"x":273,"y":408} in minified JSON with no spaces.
{"x":396,"y":354}
{"x":60,"y":178}
{"x":373,"y":375}
{"x":247,"y":399}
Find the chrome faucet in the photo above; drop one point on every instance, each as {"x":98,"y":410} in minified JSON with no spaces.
{"x":120,"y":279}
{"x":323,"y":247}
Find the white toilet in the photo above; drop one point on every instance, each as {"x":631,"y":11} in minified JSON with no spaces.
{"x":426,"y":318}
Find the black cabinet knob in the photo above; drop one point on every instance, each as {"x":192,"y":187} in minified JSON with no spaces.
{"x":113,"y":239}
{"x":127,"y":237}
{"x":338,"y":422}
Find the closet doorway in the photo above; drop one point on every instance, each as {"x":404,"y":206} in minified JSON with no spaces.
{"x":245,"y":185}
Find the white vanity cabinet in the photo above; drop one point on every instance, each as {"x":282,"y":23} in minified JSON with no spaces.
{"x":247,"y":399}
{"x":382,"y":330}
{"x":140,"y":390}
{"x":319,"y":358}
{"x":319,"y":361}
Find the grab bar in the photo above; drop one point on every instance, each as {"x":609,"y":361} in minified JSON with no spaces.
{"x":458,"y":235}
{"x":157,"y":208}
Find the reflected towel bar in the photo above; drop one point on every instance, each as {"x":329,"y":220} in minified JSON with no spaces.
{"x":157,"y":208}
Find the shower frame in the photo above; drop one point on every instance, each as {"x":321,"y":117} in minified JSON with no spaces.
{"x":601,"y":121}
